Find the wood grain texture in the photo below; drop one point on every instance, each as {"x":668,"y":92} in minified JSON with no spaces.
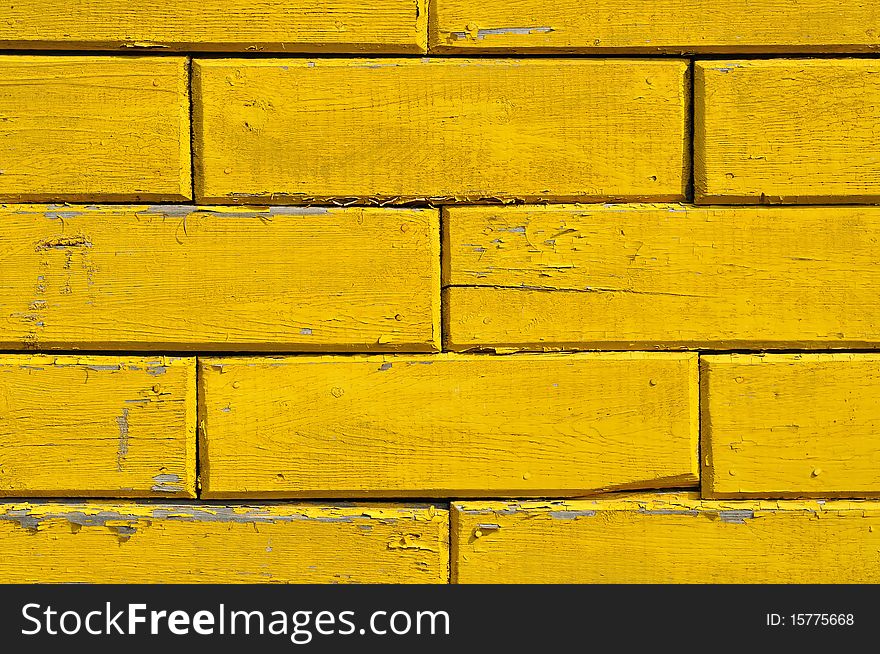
{"x":791,"y":425}
{"x":666,"y":538}
{"x":219,"y":278}
{"x":296,"y":131}
{"x":661,"y":276}
{"x":194,"y":543}
{"x":97,"y":426}
{"x":787,"y":131}
{"x":661,"y":26}
{"x":447,"y":425}
{"x":102,"y":129}
{"x":218,"y":25}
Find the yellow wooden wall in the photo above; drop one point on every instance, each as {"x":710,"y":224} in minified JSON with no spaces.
{"x":451,"y":291}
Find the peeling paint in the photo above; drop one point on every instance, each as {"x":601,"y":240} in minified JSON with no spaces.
{"x":31,"y":517}
{"x":481,"y":33}
{"x":736,"y":516}
{"x":726,"y":68}
{"x":167,"y":483}
{"x":109,"y":367}
{"x":687,"y":512}
{"x":28,"y":520}
{"x":62,"y":243}
{"x":571,"y":515}
{"x":185,"y":210}
{"x":62,"y":215}
{"x":122,"y":450}
{"x":172,"y":210}
{"x":410,"y":542}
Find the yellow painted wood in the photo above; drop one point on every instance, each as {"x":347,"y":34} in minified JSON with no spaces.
{"x":100,"y":129}
{"x":219,"y":278}
{"x":787,"y":130}
{"x":447,"y":425}
{"x":791,"y":425}
{"x":659,"y":26}
{"x":666,"y":538}
{"x":298,"y":131}
{"x":105,"y":542}
{"x":97,"y":426}
{"x":218,"y":25}
{"x":668,"y":276}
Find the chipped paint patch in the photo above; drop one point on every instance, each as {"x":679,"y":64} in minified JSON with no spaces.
{"x":571,"y":515}
{"x":736,"y":516}
{"x":481,"y":33}
{"x":30,"y":520}
{"x":122,"y":452}
{"x":167,"y":483}
{"x":726,"y":68}
{"x":687,"y":512}
{"x":184,"y":210}
{"x":171,"y":210}
{"x":410,"y":542}
{"x":62,"y":215}
{"x":63,"y":243}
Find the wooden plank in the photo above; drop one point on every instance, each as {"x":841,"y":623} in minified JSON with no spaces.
{"x":346,"y":26}
{"x":101,"y":129}
{"x":791,"y":425}
{"x":661,"y":26}
{"x":447,"y":425}
{"x":219,"y":278}
{"x":297,"y":131}
{"x":666,"y":538}
{"x":97,"y":426}
{"x":193,"y":543}
{"x":787,"y":131}
{"x":661,"y":276}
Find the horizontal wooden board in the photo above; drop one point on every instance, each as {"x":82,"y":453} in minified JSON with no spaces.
{"x":666,"y":538}
{"x":219,"y":278}
{"x":661,"y":276}
{"x":447,"y":425}
{"x":211,"y":543}
{"x":97,"y":426}
{"x":218,"y":25}
{"x":791,"y":425}
{"x":661,"y":26}
{"x":787,"y":131}
{"x":297,"y":131}
{"x":100,"y":129}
